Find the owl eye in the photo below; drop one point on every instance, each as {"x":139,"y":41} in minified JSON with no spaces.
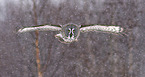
{"x":73,"y":30}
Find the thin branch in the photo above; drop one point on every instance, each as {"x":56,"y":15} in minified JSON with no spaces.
{"x":42,"y":7}
{"x":130,"y":56}
{"x":58,"y":64}
{"x":36,"y":42}
{"x":48,"y":59}
{"x":37,"y":55}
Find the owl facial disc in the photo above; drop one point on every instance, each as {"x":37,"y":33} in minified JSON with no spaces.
{"x":70,"y":33}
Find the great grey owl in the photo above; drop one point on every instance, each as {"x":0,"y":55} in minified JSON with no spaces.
{"x":70,"y":32}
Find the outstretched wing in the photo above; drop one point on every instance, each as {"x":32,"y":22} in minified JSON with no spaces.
{"x":112,"y":29}
{"x":41,"y":28}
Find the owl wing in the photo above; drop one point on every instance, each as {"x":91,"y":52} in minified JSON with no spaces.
{"x":112,"y":29}
{"x":41,"y":28}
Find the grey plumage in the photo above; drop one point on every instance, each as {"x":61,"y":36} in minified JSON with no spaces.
{"x":113,"y":29}
{"x":70,"y":32}
{"x":40,"y":28}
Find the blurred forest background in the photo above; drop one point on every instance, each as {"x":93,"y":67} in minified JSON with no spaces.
{"x":94,"y":55}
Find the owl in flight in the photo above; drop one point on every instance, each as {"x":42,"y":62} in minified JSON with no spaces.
{"x":70,"y":32}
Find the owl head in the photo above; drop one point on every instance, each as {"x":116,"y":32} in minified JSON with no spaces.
{"x":70,"y":32}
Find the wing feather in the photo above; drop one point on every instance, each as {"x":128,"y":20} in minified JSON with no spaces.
{"x":40,"y":28}
{"x":113,"y":29}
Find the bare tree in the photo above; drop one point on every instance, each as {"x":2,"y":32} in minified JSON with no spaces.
{"x":95,"y":54}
